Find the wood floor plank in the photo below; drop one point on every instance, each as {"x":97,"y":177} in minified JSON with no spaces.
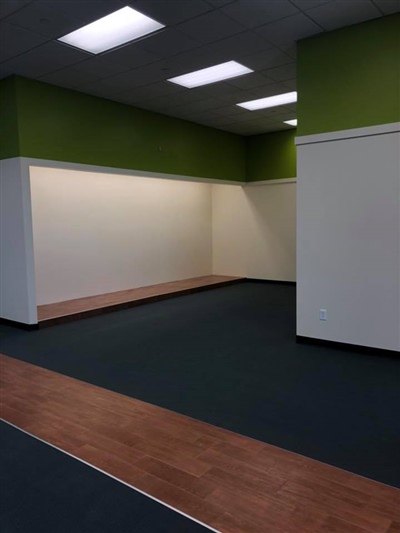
{"x":46,"y":312}
{"x":230,"y":482}
{"x":195,"y":485}
{"x":188,"y":503}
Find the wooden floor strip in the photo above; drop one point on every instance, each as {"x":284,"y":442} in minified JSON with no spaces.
{"x":66,"y":311}
{"x":230,"y":482}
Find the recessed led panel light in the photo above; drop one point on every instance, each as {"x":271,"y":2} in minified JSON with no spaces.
{"x":115,"y":29}
{"x":291,"y":122}
{"x":220,"y":72}
{"x":271,"y":101}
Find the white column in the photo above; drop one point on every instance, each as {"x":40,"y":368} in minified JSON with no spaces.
{"x":348,"y":236}
{"x":17,"y":272}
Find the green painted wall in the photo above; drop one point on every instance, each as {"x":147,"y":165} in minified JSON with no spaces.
{"x":349,"y":78}
{"x":9,"y":143}
{"x":46,"y":122}
{"x":64,"y":125}
{"x":271,"y":156}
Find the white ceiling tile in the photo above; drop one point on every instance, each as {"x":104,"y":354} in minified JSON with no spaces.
{"x":266,"y":90}
{"x":211,"y":27}
{"x":230,"y":111}
{"x":243,"y":118}
{"x":113,"y":84}
{"x":283,"y":33}
{"x":278,"y":114}
{"x":10,"y":6}
{"x":165,"y":90}
{"x":309,"y":4}
{"x":202,"y":115}
{"x":171,"y":12}
{"x":128,"y":80}
{"x":85,"y":11}
{"x":188,"y":61}
{"x":68,"y":77}
{"x":5,"y":72}
{"x":100,"y":67}
{"x":202,"y":105}
{"x":290,"y":84}
{"x":283,"y":73}
{"x":170,"y":101}
{"x":343,"y":13}
{"x":43,"y":21}
{"x":184,"y":96}
{"x":242,"y":129}
{"x":15,"y":41}
{"x":233,"y":98}
{"x":236,"y":47}
{"x":219,"y":90}
{"x":279,"y":126}
{"x":153,"y":105}
{"x":132,"y":56}
{"x":388,"y":7}
{"x":45,"y":59}
{"x":252,"y":13}
{"x":250,"y":81}
{"x":168,"y":42}
{"x":219,"y":3}
{"x":221,"y":121}
{"x":272,"y":57}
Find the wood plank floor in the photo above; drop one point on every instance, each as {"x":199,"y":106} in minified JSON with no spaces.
{"x":92,"y":305}
{"x":228,"y":481}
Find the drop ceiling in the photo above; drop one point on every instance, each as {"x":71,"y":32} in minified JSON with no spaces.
{"x":260,"y":34}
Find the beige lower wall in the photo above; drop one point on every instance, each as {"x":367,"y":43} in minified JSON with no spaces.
{"x":254,"y":230}
{"x":96,"y":233}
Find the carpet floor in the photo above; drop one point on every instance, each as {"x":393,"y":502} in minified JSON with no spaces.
{"x":229,"y":357}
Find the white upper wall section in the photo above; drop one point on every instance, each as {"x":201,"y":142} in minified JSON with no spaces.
{"x":96,"y":233}
{"x":348,"y":237}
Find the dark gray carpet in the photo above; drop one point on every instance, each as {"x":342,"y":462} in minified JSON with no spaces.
{"x":45,"y":491}
{"x":229,"y":357}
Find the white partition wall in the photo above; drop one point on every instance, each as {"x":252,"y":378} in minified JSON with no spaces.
{"x":254,"y":230}
{"x":96,"y":232}
{"x":17,"y":277}
{"x":348,"y":233}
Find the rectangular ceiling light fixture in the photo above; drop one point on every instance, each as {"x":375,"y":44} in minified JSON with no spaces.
{"x":291,"y":122}
{"x":115,"y":29}
{"x":271,"y":101}
{"x":223,"y":71}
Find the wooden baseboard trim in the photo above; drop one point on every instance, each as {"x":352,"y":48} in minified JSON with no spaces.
{"x":347,"y":347}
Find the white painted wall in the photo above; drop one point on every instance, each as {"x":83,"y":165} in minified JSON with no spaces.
{"x":254,"y":230}
{"x":348,"y":237}
{"x":96,"y":233}
{"x":17,"y":278}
